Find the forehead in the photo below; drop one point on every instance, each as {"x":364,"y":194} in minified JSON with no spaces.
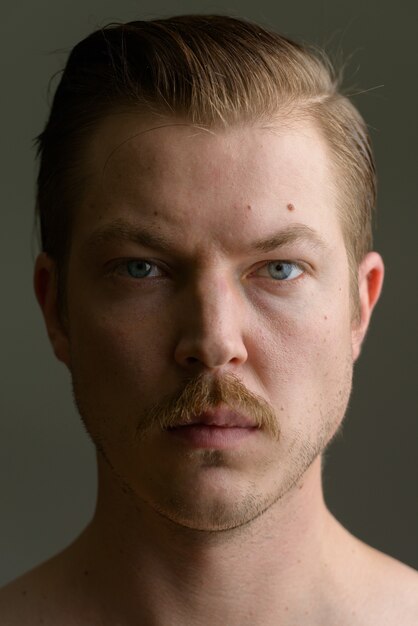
{"x":213,"y":180}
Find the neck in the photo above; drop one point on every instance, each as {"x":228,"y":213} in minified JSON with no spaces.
{"x":276,"y":563}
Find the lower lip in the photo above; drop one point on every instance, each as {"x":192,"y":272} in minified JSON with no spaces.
{"x":219,"y":437}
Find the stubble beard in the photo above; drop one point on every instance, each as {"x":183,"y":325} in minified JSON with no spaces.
{"x":242,"y":506}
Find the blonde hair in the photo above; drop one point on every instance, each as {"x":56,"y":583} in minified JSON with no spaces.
{"x":214,"y":71}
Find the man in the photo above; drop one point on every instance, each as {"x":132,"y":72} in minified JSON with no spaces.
{"x":205,"y":198}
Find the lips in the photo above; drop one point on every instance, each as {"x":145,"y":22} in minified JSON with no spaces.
{"x":218,"y":429}
{"x":221,"y":418}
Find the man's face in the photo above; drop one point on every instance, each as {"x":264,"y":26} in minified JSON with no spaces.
{"x":152,"y":328}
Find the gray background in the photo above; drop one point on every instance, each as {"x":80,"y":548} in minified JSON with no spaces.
{"x":47,"y":469}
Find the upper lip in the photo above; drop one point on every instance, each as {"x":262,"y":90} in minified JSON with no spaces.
{"x":223,"y":417}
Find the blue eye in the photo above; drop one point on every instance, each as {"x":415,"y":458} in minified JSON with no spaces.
{"x":279,"y":270}
{"x":137,"y":268}
{"x":284,"y":270}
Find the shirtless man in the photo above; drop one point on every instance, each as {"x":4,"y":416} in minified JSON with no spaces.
{"x":207,"y":276}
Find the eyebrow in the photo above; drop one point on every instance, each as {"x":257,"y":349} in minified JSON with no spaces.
{"x":120,"y":230}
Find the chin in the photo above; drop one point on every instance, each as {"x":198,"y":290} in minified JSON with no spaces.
{"x":216,"y":501}
{"x":214,"y":515}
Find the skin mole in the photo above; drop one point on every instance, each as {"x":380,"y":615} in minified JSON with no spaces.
{"x":290,"y":207}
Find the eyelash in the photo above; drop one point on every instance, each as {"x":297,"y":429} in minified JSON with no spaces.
{"x":125,"y":262}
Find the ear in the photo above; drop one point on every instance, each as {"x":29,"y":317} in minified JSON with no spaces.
{"x":45,"y":284}
{"x":370,"y":280}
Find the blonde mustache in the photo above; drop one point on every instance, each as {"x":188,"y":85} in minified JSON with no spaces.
{"x":203,"y":393}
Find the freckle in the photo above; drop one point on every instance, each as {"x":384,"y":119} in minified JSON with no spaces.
{"x":86,"y":573}
{"x":155,"y":212}
{"x":248,"y":207}
{"x":282,"y":408}
{"x":24,"y":592}
{"x":290,"y":207}
{"x":325,"y":317}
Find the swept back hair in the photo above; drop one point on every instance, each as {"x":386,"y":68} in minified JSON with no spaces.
{"x":214,"y":71}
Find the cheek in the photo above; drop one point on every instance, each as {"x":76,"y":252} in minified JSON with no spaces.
{"x":114,"y":360}
{"x":300,"y":338}
{"x":306,"y":358}
{"x":107,"y":326}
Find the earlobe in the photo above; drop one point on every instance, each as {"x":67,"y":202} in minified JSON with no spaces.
{"x":370,"y":281}
{"x":45,"y":285}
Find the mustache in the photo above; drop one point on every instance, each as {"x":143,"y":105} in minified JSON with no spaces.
{"x":205,"y":392}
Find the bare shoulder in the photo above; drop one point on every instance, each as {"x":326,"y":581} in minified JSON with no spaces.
{"x":24,"y":601}
{"x":398,"y":586}
{"x":20,"y":601}
{"x":32,"y":599}
{"x":391,"y":590}
{"x":370,"y":588}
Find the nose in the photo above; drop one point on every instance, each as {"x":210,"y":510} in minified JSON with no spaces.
{"x":212,"y":333}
